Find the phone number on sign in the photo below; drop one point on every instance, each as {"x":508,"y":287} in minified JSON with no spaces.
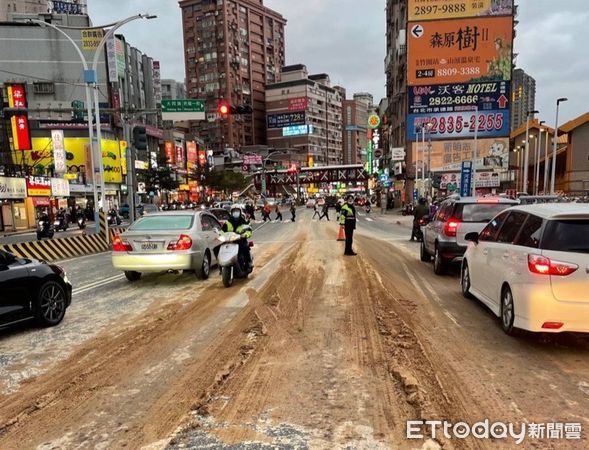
{"x":453,"y":71}
{"x":434,"y":9}
{"x":458,"y":124}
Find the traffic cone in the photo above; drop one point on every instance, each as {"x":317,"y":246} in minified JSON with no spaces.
{"x":341,"y":235}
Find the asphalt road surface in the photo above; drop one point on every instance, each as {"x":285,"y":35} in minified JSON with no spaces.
{"x":315,"y":350}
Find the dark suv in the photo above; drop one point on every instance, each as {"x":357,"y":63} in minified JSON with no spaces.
{"x":443,"y":236}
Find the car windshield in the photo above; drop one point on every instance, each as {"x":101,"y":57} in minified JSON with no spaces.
{"x":479,"y":212}
{"x":567,"y":236}
{"x":170,"y":222}
{"x":220,"y":214}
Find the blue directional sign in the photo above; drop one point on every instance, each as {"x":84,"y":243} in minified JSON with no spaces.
{"x":466,"y":178}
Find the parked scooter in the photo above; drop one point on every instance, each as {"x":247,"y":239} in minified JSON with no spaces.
{"x":231,"y":263}
{"x":44,"y":228}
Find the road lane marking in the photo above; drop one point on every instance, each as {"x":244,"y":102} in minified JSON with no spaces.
{"x":98,"y":284}
{"x":79,"y":258}
{"x":451,"y":317}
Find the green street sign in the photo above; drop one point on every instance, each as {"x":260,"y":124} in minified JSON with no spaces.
{"x":183,"y":110}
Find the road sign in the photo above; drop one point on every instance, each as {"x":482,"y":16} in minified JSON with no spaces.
{"x":374,"y":121}
{"x":378,"y":153}
{"x":245,"y":168}
{"x":417,"y":31}
{"x":178,"y":110}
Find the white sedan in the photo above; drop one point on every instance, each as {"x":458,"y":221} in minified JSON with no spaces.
{"x":530,"y":266}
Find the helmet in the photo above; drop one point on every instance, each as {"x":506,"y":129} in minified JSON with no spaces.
{"x":236,"y":212}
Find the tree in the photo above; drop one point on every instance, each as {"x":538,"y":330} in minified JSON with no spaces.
{"x":228,"y":181}
{"x":158,"y":178}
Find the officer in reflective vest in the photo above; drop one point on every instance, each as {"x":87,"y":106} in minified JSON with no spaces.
{"x":347,"y":218}
{"x":237,"y":223}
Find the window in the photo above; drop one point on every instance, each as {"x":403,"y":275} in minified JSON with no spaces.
{"x":445,"y":212}
{"x":489,"y":233}
{"x":511,"y":227}
{"x":170,"y":222}
{"x":479,"y":212}
{"x":43,"y":88}
{"x":567,"y":236}
{"x":531,"y":231}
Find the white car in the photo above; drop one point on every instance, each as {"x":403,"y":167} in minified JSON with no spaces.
{"x":530,"y":266}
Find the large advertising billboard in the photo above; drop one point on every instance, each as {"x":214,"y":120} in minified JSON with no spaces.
{"x":454,"y":9}
{"x":286,"y":119}
{"x":460,"y":51}
{"x":444,"y":156}
{"x":457,"y":125}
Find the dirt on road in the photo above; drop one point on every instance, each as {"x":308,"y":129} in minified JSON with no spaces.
{"x":315,"y":351}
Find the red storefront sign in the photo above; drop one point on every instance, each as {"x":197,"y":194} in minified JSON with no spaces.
{"x":169,"y":149}
{"x":202,"y":158}
{"x":179,"y":156}
{"x":191,"y":154}
{"x":298,"y":104}
{"x":17,"y":98}
{"x":39,"y":186}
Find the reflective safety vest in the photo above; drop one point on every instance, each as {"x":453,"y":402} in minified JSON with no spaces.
{"x":242,"y":229}
{"x":345,"y":212}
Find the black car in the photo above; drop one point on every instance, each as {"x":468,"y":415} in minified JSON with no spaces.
{"x":31,"y":289}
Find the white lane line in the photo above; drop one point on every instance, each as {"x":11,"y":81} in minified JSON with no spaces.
{"x":452,"y":318}
{"x":80,"y":258}
{"x":369,"y":219}
{"x":98,"y":284}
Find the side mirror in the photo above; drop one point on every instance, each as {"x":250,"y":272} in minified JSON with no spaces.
{"x":472,"y":237}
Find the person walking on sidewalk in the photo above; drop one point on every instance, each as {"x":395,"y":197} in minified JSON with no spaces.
{"x":293,"y":211}
{"x":278,"y":213}
{"x":316,"y":212}
{"x":348,"y":220}
{"x":324,"y":212}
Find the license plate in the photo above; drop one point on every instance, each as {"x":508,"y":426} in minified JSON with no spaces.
{"x":149,"y":246}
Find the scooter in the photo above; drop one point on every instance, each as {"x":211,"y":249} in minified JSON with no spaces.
{"x":230,"y":261}
{"x":44,"y":229}
{"x":60,"y":223}
{"x":81,"y":222}
{"x":418,"y":231}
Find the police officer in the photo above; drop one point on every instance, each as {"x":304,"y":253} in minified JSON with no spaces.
{"x":237,"y":223}
{"x":347,"y":218}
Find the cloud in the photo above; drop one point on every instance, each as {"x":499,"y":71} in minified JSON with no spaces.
{"x":346,"y":39}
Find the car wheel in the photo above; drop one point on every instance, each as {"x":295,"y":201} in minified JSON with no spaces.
{"x":205,"y":268}
{"x":507,"y":311}
{"x":423,"y":254}
{"x":132,"y":275}
{"x":439,"y":264}
{"x":465,"y":281}
{"x":49,"y":307}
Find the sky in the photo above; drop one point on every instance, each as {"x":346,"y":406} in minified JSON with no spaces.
{"x":347,"y":40}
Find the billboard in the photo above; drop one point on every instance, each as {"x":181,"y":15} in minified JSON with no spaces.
{"x":298,"y":104}
{"x":17,"y":98}
{"x":460,"y":51}
{"x":444,"y":156}
{"x":457,"y":125}
{"x":297,"y":130}
{"x":191,"y":155}
{"x":429,"y":99}
{"x":452,"y":181}
{"x":286,"y":119}
{"x":169,"y":151}
{"x":39,"y":186}
{"x":455,"y":9}
{"x":59,"y":161}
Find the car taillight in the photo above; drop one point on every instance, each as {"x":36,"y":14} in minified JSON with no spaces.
{"x":184,"y":243}
{"x":118,"y":245}
{"x":544,"y":266}
{"x":450,"y":227}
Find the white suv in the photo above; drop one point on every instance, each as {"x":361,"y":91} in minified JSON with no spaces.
{"x":530,"y":266}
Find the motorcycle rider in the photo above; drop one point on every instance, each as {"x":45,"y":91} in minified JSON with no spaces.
{"x":237,"y":223}
{"x":421,"y":210}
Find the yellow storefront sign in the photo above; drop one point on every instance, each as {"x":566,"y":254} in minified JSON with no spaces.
{"x":420,"y":10}
{"x":91,"y":38}
{"x":41,"y":155}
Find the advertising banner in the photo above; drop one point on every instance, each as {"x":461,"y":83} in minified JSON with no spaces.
{"x":91,"y":38}
{"x":460,"y":51}
{"x":169,"y":150}
{"x":60,"y":187}
{"x":454,"y":9}
{"x":39,"y":186}
{"x":298,"y":104}
{"x":252,"y":160}
{"x":191,"y":155}
{"x":297,"y":130}
{"x":448,"y":155}
{"x":459,"y":97}
{"x":286,"y":119}
{"x":157,"y":81}
{"x":179,"y":156}
{"x":398,"y":154}
{"x":58,"y":152}
{"x":12,"y":188}
{"x":202,"y":158}
{"x":456,"y":125}
{"x":466,"y":178}
{"x":123,"y":146}
{"x":17,"y":98}
{"x":452,"y":181}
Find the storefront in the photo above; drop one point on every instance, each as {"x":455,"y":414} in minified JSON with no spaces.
{"x":13,"y":213}
{"x":38,"y":200}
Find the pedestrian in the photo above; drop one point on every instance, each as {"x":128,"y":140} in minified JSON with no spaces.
{"x":324,"y":212}
{"x":266,"y":212}
{"x":338,"y":209}
{"x":383,"y":205}
{"x":293,"y":212}
{"x":278,"y":213}
{"x":316,"y":211}
{"x":348,"y":220}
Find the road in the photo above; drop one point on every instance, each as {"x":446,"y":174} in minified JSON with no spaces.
{"x":313,"y":351}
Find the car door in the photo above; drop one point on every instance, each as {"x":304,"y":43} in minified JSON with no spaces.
{"x":14,"y":282}
{"x":207,"y":233}
{"x":502,"y":257}
{"x":216,"y":227}
{"x":478,"y":257}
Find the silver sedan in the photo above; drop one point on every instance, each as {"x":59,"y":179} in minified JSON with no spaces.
{"x":172,"y":241}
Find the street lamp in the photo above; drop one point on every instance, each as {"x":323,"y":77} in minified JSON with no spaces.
{"x":527,"y":156}
{"x":538,"y":142}
{"x":553,"y":178}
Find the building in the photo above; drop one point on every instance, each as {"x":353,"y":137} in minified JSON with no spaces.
{"x":523,"y":91}
{"x":22,"y":6}
{"x":305,"y":113}
{"x":396,"y":74}
{"x":173,"y":90}
{"x":572,"y":170}
{"x":355,"y":113}
{"x":232,"y":49}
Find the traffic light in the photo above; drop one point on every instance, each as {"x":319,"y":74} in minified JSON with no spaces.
{"x":293,"y":169}
{"x":139,"y":138}
{"x":223,"y":108}
{"x":77,"y":111}
{"x":243,"y":109}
